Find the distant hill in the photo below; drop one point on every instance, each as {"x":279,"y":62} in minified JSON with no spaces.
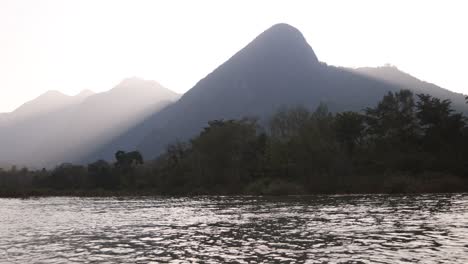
{"x":278,"y":68}
{"x":57,"y":128}
{"x":46,"y":103}
{"x":393,"y":75}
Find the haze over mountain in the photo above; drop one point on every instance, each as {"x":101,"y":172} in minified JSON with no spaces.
{"x":392,"y":75}
{"x":278,"y":68}
{"x":55,"y":128}
{"x":46,"y":103}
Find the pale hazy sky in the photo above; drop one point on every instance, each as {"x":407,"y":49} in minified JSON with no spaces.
{"x":75,"y":45}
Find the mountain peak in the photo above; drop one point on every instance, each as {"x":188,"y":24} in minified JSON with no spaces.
{"x":131,"y":80}
{"x":44,"y":103}
{"x":283,"y":28}
{"x":135,"y":82}
{"x":52,"y":94}
{"x":85,"y":93}
{"x":281,"y":46}
{"x":150,"y":88}
{"x":286,"y":39}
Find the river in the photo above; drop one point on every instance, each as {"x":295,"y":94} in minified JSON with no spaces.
{"x":295,"y":229}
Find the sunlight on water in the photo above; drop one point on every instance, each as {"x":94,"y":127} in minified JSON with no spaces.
{"x":312,"y":229}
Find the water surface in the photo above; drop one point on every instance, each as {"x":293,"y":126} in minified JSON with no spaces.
{"x":307,"y":229}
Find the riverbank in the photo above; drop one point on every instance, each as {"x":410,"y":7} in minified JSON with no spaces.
{"x":278,"y":187}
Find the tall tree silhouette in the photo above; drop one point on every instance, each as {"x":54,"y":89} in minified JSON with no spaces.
{"x":128,"y":160}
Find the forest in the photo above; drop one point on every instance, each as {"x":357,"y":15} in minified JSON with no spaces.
{"x":405,"y":144}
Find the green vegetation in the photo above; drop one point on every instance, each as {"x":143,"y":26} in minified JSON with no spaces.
{"x":406,"y":143}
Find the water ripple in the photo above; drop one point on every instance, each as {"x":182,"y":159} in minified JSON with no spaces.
{"x":303,"y":229}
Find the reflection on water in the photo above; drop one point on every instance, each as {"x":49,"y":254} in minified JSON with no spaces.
{"x":311,"y":229}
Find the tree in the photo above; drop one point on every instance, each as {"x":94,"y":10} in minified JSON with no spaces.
{"x":221,"y":151}
{"x":126,"y":164}
{"x":68,"y":176}
{"x":100,"y":173}
{"x":176,"y":153}
{"x":286,"y":123}
{"x":445,"y":135}
{"x":394,"y":117}
{"x":393,"y":133}
{"x":128,"y":160}
{"x":349,"y":128}
{"x":303,"y":147}
{"x":443,"y":129}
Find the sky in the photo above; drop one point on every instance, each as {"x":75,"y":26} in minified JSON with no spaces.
{"x":93,"y":44}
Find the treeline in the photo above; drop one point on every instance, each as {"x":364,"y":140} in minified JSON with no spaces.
{"x":406,"y":143}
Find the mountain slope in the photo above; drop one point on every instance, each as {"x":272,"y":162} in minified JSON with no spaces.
{"x":68,"y":133}
{"x":23,"y":129}
{"x":277,"y":68}
{"x":393,"y":75}
{"x":46,"y":103}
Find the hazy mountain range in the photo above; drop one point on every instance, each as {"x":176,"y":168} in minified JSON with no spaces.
{"x":278,"y":68}
{"x":55,"y":127}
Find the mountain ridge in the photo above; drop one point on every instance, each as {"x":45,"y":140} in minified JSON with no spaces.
{"x":298,"y":79}
{"x":68,"y":133}
{"x":277,"y":68}
{"x":392,"y":74}
{"x":49,"y":101}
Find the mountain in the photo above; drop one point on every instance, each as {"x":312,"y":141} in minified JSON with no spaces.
{"x":23,"y":129}
{"x":48,"y":102}
{"x":278,"y":68}
{"x":84,"y":93}
{"x":393,"y":75}
{"x":73,"y":126}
